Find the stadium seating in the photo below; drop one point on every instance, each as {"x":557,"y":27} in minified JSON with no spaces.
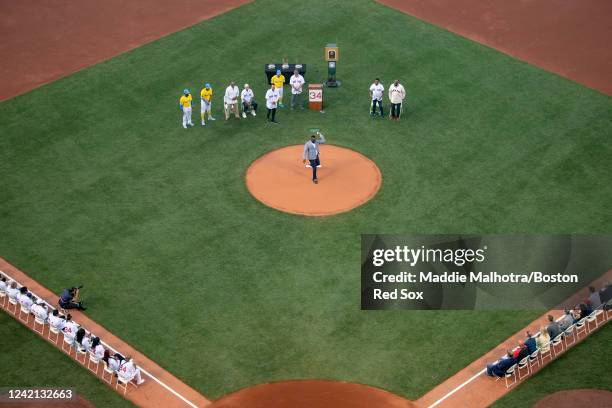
{"x":523,"y":364}
{"x":93,"y":359}
{"x":39,"y":322}
{"x":511,"y":373}
{"x":56,"y":332}
{"x":565,"y":340}
{"x":12,"y":306}
{"x":80,"y":352}
{"x":534,"y":359}
{"x":110,"y":373}
{"x":569,"y":334}
{"x":24,"y":310}
{"x":581,"y":327}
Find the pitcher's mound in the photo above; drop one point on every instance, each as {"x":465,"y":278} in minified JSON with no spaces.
{"x":347,"y":179}
{"x":312,"y":394}
{"x":582,"y":398}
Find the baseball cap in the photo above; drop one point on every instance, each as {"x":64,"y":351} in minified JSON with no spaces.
{"x":207,"y":85}
{"x":278,"y":72}
{"x":246,"y":85}
{"x":186,"y":91}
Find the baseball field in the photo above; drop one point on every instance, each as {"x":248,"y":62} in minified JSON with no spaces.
{"x":102,"y":186}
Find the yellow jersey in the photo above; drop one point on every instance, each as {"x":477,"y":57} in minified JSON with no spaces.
{"x":278,"y":81}
{"x":185,"y":101}
{"x":206,"y":94}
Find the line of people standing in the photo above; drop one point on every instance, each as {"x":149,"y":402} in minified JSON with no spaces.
{"x":231,"y":104}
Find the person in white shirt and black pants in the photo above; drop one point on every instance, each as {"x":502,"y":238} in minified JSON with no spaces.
{"x":376,"y":94}
{"x":272,"y":97}
{"x":396,"y":96}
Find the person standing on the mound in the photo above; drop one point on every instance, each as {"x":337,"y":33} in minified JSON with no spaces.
{"x":311,"y":153}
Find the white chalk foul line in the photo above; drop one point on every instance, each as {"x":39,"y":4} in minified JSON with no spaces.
{"x":157,"y":380}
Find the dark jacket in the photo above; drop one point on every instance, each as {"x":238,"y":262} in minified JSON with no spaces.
{"x":531,"y":344}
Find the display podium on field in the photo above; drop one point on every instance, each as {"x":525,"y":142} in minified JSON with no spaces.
{"x":315,"y":96}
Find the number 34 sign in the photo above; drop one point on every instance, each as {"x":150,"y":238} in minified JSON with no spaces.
{"x":315,"y":95}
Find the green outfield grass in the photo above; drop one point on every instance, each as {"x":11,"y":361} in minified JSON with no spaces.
{"x":29,"y":361}
{"x":102,"y":186}
{"x":586,"y":366}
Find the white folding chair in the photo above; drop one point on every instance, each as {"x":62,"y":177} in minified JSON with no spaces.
{"x":14,"y":303}
{"x":95,"y":360}
{"x":581,"y":327}
{"x":24,"y":310}
{"x":56,"y":332}
{"x":39,"y":322}
{"x":534,"y":360}
{"x":568,"y":334}
{"x":68,"y":342}
{"x":554,"y":343}
{"x":546,"y":351}
{"x":593,"y":318}
{"x":524,"y":363}
{"x":122,"y":382}
{"x":511,"y":372}
{"x":3,"y":298}
{"x":108,"y":371}
{"x":80,"y":352}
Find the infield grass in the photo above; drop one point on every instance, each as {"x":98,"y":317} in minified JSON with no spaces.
{"x":102,"y":186}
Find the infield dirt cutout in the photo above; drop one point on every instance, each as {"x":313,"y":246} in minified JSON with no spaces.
{"x":347,"y":179}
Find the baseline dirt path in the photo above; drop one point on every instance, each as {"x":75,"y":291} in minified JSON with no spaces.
{"x":585,"y":398}
{"x":161,"y":388}
{"x":472,"y":388}
{"x":568,"y":37}
{"x":347,"y":179}
{"x":45,"y":40}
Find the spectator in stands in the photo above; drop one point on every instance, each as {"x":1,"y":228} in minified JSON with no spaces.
{"x":3,"y":284}
{"x":530,"y":343}
{"x":585,"y":310}
{"x":56,"y":320}
{"x":39,"y":309}
{"x":129,"y":371}
{"x":594,"y":298}
{"x":553,"y":327}
{"x":113,"y":362}
{"x":97,"y":349}
{"x":576,"y":313}
{"x":80,"y":335}
{"x":70,"y":328}
{"x":66,"y":300}
{"x":86,"y":342}
{"x":25,"y":298}
{"x":543,"y":340}
{"x":502,"y":365}
{"x":606,"y":293}
{"x":567,"y":320}
{"x":12,"y":291}
{"x":521,"y":351}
